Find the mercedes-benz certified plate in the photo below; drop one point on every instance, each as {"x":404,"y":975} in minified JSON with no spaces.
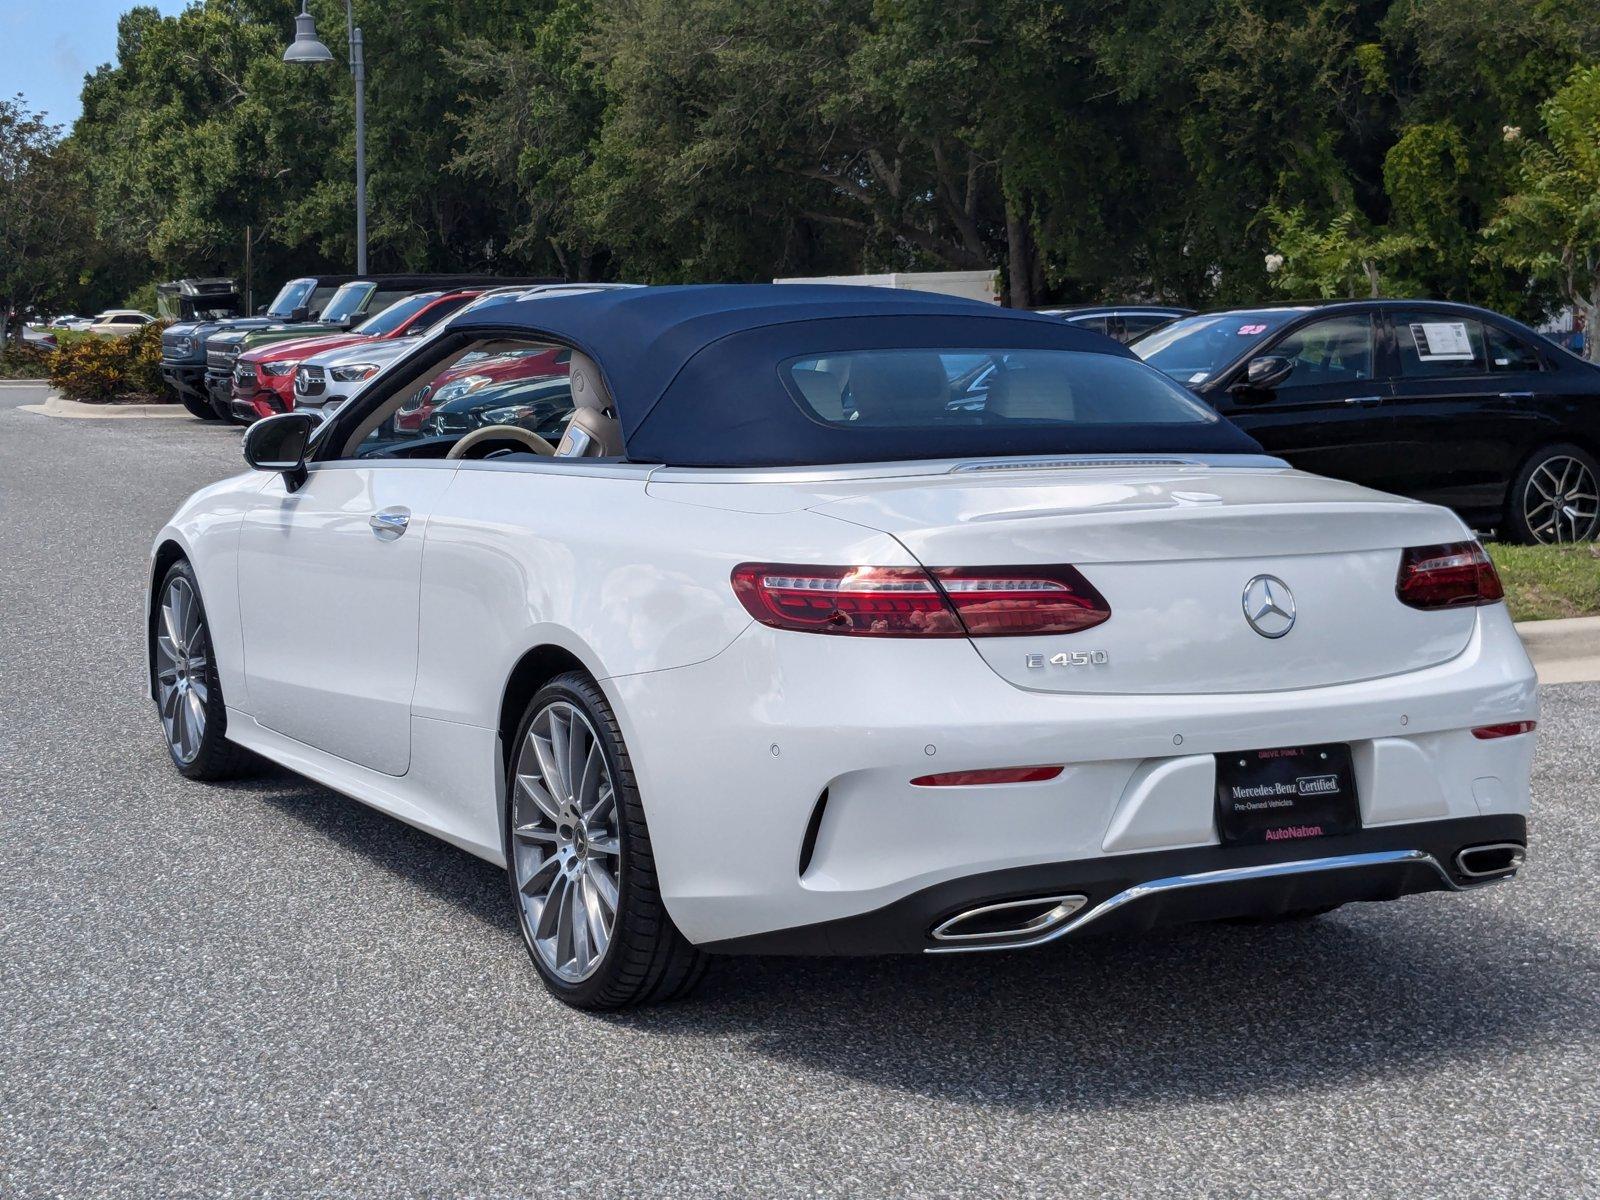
{"x":1286,"y":794}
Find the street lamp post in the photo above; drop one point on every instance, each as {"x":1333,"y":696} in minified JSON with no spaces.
{"x":307,"y":49}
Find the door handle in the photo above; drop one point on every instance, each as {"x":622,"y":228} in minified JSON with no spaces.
{"x":389,"y":523}
{"x":1363,"y":400}
{"x":1516,"y":395}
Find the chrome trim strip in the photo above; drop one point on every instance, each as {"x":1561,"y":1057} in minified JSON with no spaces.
{"x":1062,"y":908}
{"x":1304,"y":866}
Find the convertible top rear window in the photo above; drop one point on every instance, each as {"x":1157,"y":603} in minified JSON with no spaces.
{"x":966,"y":388}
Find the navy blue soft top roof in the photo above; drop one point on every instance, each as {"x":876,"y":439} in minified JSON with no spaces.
{"x":694,"y":370}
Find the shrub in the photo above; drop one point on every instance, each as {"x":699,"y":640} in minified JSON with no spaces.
{"x":24,"y":360}
{"x":103,"y":370}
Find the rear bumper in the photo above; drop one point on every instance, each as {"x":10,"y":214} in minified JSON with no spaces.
{"x":1137,"y":892}
{"x":776,"y":776}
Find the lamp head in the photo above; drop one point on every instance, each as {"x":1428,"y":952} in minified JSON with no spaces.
{"x":306,"y":48}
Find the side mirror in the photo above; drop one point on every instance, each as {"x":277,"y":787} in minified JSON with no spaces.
{"x":261,"y":310}
{"x":279,"y":444}
{"x":1267,"y":372}
{"x":300,"y":313}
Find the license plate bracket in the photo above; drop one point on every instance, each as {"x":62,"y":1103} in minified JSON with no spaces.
{"x":1287,"y":793}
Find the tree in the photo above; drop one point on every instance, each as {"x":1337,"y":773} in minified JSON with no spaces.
{"x":43,"y":218}
{"x":1551,"y":225}
{"x":1340,"y":260}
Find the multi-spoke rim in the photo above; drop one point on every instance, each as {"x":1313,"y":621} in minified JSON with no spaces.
{"x":1561,"y":502}
{"x":181,"y":663}
{"x":565,"y":844}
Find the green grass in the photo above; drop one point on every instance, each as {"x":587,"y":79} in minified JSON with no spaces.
{"x":1544,"y":582}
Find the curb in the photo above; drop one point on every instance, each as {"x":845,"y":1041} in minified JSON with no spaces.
{"x":1564,"y":651}
{"x":27,"y":383}
{"x":55,"y":406}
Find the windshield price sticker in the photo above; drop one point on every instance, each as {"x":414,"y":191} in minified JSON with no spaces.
{"x":1251,"y":330}
{"x":1442,"y":341}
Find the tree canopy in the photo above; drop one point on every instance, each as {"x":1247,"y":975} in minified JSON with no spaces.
{"x":1161,"y":149}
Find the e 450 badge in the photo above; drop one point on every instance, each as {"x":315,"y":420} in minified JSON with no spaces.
{"x":1069,"y":658}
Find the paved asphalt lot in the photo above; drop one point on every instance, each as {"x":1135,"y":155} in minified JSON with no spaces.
{"x":267,"y":990}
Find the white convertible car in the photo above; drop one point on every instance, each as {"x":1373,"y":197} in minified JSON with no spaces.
{"x":843,"y":621}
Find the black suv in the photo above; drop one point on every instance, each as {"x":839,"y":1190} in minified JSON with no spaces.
{"x":1443,"y":402}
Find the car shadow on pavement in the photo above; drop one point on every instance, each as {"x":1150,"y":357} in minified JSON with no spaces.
{"x":475,"y":887}
{"x":1208,"y":1012}
{"x":1197,"y":1012}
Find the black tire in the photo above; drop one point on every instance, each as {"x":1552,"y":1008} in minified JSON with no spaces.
{"x":214,"y":757}
{"x":647,"y":960}
{"x":1517,"y":527}
{"x":199,"y":409}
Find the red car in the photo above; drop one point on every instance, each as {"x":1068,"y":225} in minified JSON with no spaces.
{"x":475,"y":372}
{"x":263,"y":379}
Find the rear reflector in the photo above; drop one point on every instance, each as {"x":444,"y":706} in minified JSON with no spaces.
{"x":978,"y":778}
{"x":1509,"y":729}
{"x":1458,"y":575}
{"x":912,"y":602}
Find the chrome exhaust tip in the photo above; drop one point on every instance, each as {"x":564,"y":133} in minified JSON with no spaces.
{"x":1010,"y":920}
{"x":1494,"y":860}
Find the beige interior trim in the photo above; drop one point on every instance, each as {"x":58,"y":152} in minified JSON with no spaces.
{"x":502,"y":433}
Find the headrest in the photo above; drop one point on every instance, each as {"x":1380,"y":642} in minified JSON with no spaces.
{"x":588,"y":388}
{"x":901,"y":385}
{"x":1029,"y":394}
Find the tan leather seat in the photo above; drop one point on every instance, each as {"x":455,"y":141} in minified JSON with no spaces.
{"x":902,"y":387}
{"x":594,"y":431}
{"x":823,"y":390}
{"x":1029,"y":394}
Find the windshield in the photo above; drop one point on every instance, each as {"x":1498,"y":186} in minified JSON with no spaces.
{"x":396,"y":315}
{"x":346,"y":303}
{"x":986,"y":389}
{"x":290,"y":297}
{"x":1196,"y":348}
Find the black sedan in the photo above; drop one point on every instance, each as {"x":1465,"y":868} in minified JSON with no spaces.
{"x":1444,"y":402}
{"x":1125,"y":322}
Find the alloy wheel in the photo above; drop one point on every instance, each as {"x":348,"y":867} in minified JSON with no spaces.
{"x":565,"y":841}
{"x":1561,"y":502}
{"x":182,"y":666}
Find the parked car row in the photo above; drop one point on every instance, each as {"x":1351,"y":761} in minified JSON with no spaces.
{"x":113,"y":322}
{"x":201,"y":358}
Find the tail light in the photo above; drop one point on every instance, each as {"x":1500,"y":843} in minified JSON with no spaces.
{"x":913,"y":602}
{"x":1456,"y":575}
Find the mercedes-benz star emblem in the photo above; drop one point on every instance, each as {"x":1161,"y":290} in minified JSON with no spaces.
{"x":1269,"y":606}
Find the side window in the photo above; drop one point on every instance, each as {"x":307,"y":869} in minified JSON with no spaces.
{"x":1507,"y":352}
{"x":1097,"y":324}
{"x":381,"y":298}
{"x":1142,"y":323}
{"x":503,"y":383}
{"x":1337,"y":350}
{"x":1438,"y":345}
{"x":318,"y":300}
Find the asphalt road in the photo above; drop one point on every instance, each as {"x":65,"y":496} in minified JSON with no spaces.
{"x":268,"y":990}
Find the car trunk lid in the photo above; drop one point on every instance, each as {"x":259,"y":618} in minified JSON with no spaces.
{"x":1174,"y":553}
